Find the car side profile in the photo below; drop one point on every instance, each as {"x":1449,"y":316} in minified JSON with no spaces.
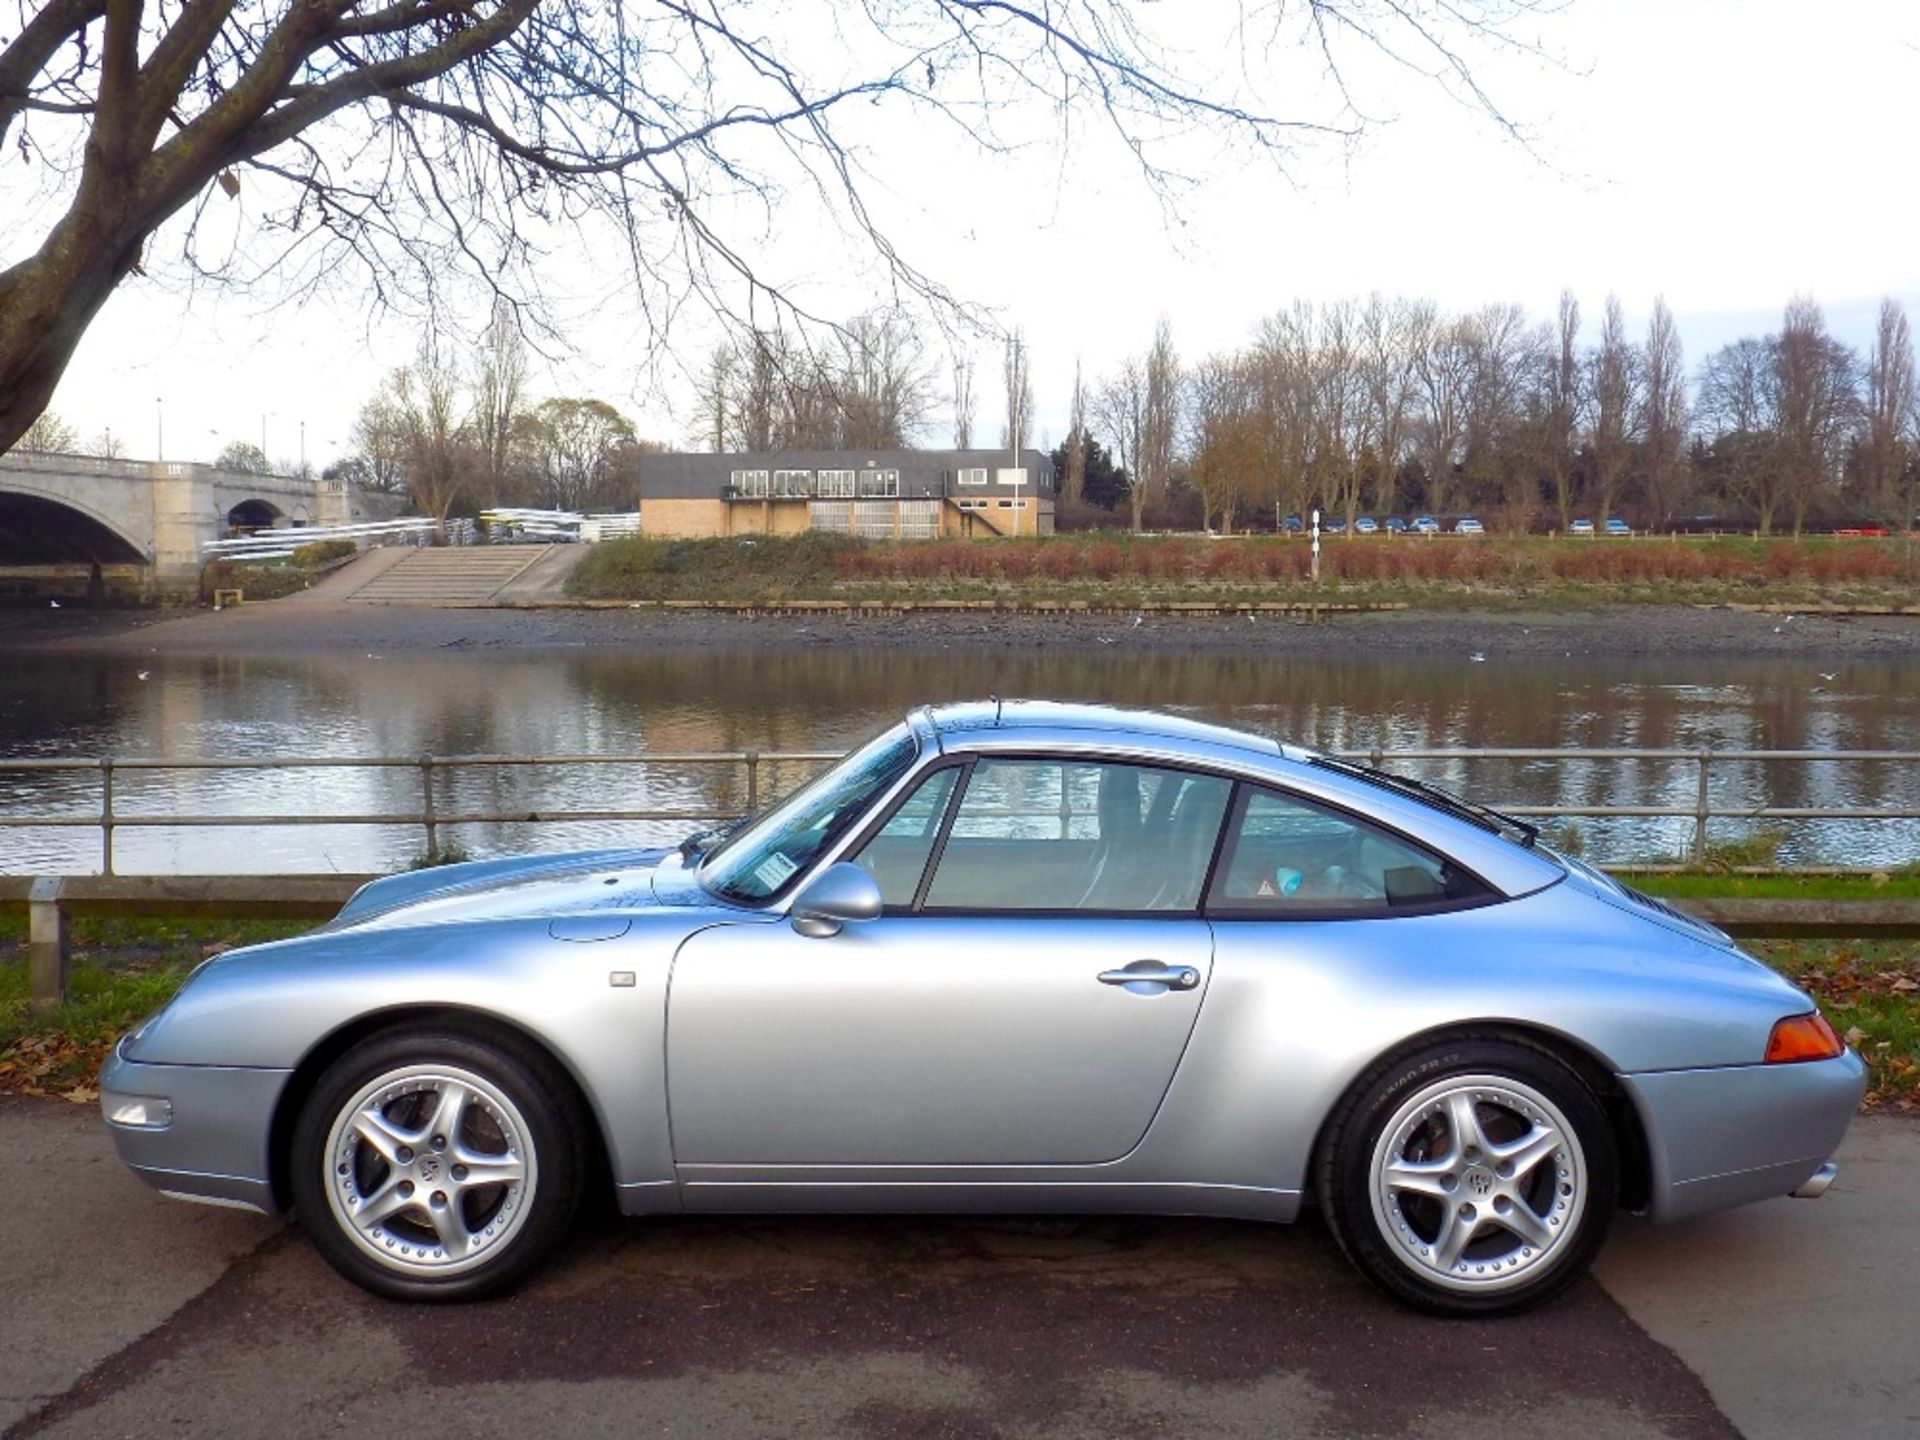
{"x":1006,"y":956}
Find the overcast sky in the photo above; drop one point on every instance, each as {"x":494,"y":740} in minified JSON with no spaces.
{"x":1724,"y":153}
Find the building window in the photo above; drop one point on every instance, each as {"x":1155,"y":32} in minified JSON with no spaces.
{"x":1013,"y":504}
{"x":879,"y":484}
{"x":750,"y":483}
{"x":976,"y":476}
{"x":834,"y":485}
{"x":792,"y":484}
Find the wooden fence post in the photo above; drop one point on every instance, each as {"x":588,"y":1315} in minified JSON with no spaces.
{"x":47,"y":947}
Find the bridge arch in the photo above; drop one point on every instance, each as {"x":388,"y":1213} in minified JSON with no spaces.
{"x":254,"y":513}
{"x":40,"y":530}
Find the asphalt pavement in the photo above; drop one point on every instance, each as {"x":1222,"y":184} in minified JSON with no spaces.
{"x":126,"y":1314}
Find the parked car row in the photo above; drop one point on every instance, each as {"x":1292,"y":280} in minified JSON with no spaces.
{"x":1392,"y":525}
{"x":1428,"y":525}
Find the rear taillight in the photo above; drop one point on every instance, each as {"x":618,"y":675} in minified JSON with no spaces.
{"x":1802,"y":1037}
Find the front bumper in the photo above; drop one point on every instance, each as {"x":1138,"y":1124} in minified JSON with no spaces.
{"x":1734,"y":1134}
{"x":214,"y":1146}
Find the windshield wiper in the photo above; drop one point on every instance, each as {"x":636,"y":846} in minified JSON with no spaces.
{"x":1485,"y":816}
{"x":703,"y":842}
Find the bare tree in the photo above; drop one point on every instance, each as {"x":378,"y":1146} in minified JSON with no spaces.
{"x":47,"y":435}
{"x":1563,"y":402}
{"x":1119,"y":409}
{"x":1339,"y":411}
{"x":1160,"y":420}
{"x":498,"y":395}
{"x":757,"y":404}
{"x":1892,"y":405}
{"x":1444,"y":369}
{"x":423,"y":138}
{"x":713,"y":402}
{"x":1389,"y":331}
{"x":1736,"y":399}
{"x":1815,"y":402}
{"x":583,"y":451}
{"x":1073,"y":485}
{"x":380,"y":443}
{"x":1663,"y":418}
{"x":1223,"y":434}
{"x":884,"y":384}
{"x":107,"y":445}
{"x":1016,"y":374}
{"x":963,"y":402}
{"x":425,"y":403}
{"x":1610,"y":370}
{"x":1286,"y":400}
{"x":243,"y":457}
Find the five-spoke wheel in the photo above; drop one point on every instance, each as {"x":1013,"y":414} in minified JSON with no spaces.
{"x":435,"y":1164}
{"x":1470,"y":1178}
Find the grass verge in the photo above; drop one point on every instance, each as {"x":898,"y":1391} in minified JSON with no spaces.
{"x":123,"y":970}
{"x":1692,"y":885}
{"x":1118,"y":569}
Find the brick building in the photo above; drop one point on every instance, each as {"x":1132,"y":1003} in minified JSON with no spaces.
{"x":879,"y":494}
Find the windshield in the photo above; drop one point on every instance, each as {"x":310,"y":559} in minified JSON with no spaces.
{"x":757,"y":863}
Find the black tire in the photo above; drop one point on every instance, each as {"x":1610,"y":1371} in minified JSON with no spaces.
{"x":1373,"y":1185}
{"x":516,"y":1109}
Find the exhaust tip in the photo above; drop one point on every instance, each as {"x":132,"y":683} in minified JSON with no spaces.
{"x":1815,"y":1185}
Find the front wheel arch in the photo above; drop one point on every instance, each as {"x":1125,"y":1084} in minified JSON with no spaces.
{"x":480,"y":1025}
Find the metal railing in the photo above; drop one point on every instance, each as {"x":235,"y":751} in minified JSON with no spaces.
{"x":429,"y":817}
{"x":432,"y":819}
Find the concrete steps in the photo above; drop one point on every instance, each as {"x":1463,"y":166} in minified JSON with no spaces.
{"x":453,"y":575}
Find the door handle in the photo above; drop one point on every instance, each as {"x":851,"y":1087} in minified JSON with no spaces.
{"x":1151,"y":975}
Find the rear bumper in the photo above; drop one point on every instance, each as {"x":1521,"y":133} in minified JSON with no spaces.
{"x":214,"y":1145}
{"x":1724,"y":1137}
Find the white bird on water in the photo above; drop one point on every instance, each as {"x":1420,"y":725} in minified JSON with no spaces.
{"x":143,"y":675}
{"x":1477,"y":658}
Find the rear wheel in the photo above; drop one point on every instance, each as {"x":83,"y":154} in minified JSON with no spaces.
{"x":1472,"y":1178}
{"x":433,"y":1164}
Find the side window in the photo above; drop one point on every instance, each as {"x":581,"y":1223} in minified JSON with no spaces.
{"x":1288,"y":856}
{"x":1065,"y":835}
{"x":896,"y":856}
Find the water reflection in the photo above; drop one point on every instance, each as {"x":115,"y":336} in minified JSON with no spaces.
{"x":602,"y":701}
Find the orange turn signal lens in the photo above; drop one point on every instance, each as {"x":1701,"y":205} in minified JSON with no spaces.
{"x":1802,"y":1037}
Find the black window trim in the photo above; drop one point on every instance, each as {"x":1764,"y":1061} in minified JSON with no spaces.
{"x":1489,"y":894}
{"x":1204,"y":909}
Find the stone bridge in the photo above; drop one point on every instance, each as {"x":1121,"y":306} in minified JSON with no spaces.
{"x":71,"y":509}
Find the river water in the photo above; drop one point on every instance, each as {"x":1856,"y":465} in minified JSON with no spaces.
{"x":602,"y":700}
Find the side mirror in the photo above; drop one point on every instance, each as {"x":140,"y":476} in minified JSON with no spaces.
{"x":839,"y":893}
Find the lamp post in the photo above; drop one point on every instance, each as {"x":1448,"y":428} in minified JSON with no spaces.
{"x":1315,"y":533}
{"x":159,"y":429}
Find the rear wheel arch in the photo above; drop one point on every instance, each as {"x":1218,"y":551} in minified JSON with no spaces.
{"x":480,"y":1025}
{"x":1631,"y":1147}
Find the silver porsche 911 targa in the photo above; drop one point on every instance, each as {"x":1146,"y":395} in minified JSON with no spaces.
{"x":1013,"y":957}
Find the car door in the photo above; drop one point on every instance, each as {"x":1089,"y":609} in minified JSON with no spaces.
{"x":1024,"y":999}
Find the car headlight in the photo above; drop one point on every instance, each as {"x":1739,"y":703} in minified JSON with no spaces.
{"x":138,"y":1112}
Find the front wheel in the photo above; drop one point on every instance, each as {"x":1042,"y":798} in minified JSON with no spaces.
{"x":1470,"y":1179}
{"x":433,"y":1165}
